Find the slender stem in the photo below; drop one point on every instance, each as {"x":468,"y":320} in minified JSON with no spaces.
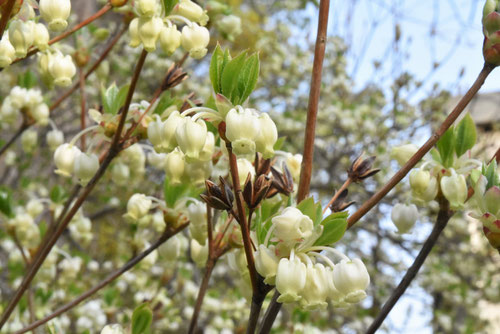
{"x":82,"y":107}
{"x":312,"y":109}
{"x":372,"y":201}
{"x":65,"y":34}
{"x":271,"y":313}
{"x":442,"y":219}
{"x":16,"y":135}
{"x":201,"y":293}
{"x":110,"y":278}
{"x":242,"y":219}
{"x":337,"y":193}
{"x":113,"y":151}
{"x":6,"y":16}
{"x":258,"y":298}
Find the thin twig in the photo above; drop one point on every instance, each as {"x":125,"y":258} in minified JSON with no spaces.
{"x":6,"y":16}
{"x":372,"y":201}
{"x":65,"y":34}
{"x":337,"y":193}
{"x":271,"y":313}
{"x":442,"y":219}
{"x":83,"y":108}
{"x":312,"y":109}
{"x":201,"y":293}
{"x":110,"y":278}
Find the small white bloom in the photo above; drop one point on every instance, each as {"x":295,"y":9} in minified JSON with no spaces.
{"x":404,"y":217}
{"x":29,"y":139}
{"x":21,"y":36}
{"x":403,"y":153}
{"x":86,"y":165}
{"x":7,"y":51}
{"x":64,"y":158}
{"x":194,"y":39}
{"x":242,"y":129}
{"x":149,"y":31}
{"x":41,"y":39}
{"x":54,"y":139}
{"x":174,"y":166}
{"x":351,"y":279}
{"x":292,"y":226}
{"x":62,"y":69}
{"x":191,"y":137}
{"x":290,"y":280}
{"x":55,"y":12}
{"x":316,"y":288}
{"x":267,"y":137}
{"x":138,"y":206}
{"x":112,"y":329}
{"x":170,"y":39}
{"x":266,"y":263}
{"x":454,"y":188}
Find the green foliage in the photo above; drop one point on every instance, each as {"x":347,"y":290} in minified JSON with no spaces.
{"x":334,"y":227}
{"x":490,"y":172}
{"x":446,"y":147}
{"x":168,"y":5}
{"x":174,"y":192}
{"x":465,"y":135}
{"x":311,"y":209}
{"x":235,"y":78}
{"x":141,"y":319}
{"x":57,"y":194}
{"x":6,"y":203}
{"x":113,"y":98}
{"x":263,"y":220}
{"x":27,"y":80}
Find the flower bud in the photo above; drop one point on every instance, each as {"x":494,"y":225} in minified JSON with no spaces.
{"x":18,"y":97}
{"x":120,"y":174}
{"x":62,"y":69}
{"x":7,"y":52}
{"x":230,"y":26}
{"x":34,"y":207}
{"x":8,"y":113}
{"x":64,"y":158}
{"x":41,"y":37}
{"x":266,"y":263}
{"x":54,"y":139}
{"x":191,"y":137}
{"x":337,"y":298}
{"x":191,"y":11}
{"x":133,"y":30}
{"x":174,"y":166}
{"x":292,"y":226}
{"x":41,"y":114}
{"x":315,"y":290}
{"x":194,"y":39}
{"x":170,"y":39}
{"x":155,"y":133}
{"x":198,"y":171}
{"x":149,"y":31}
{"x":404,"y":217}
{"x":245,"y":167}
{"x":423,"y":185}
{"x":55,"y":12}
{"x":86,"y":166}
{"x":29,"y":140}
{"x":171,"y":249}
{"x":197,"y":213}
{"x":21,"y":37}
{"x":294,"y":162}
{"x":138,"y":206}
{"x":351,"y":279}
{"x":403,"y":153}
{"x":199,"y":253}
{"x":208,"y":149}
{"x":146,"y":8}
{"x":113,"y":329}
{"x":267,"y":137}
{"x":454,"y":188}
{"x":242,"y":129}
{"x":290,"y":280}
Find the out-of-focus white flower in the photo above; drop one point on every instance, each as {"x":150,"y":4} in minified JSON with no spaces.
{"x":351,"y":279}
{"x":404,"y":216}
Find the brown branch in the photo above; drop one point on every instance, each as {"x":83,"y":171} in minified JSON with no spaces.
{"x":110,"y":155}
{"x":271,"y":313}
{"x":312,"y":109}
{"x":372,"y":201}
{"x":201,"y":293}
{"x":337,"y":193}
{"x":81,"y":83}
{"x":65,"y":34}
{"x":442,"y":219}
{"x":110,"y":278}
{"x":6,"y":12}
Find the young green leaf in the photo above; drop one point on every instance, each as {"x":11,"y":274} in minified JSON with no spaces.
{"x":168,"y":5}
{"x":216,"y":68}
{"x":6,"y":203}
{"x":230,"y":74}
{"x":334,"y":227}
{"x":446,"y":147}
{"x":311,"y":209}
{"x":248,"y":77}
{"x":141,"y":319}
{"x":173,"y":192}
{"x":465,"y":135}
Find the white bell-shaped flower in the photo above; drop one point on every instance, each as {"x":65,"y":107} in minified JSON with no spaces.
{"x":292,"y":226}
{"x":423,"y":184}
{"x":41,"y":114}
{"x":194,"y":39}
{"x":157,"y":160}
{"x":335,"y":296}
{"x":290,"y":280}
{"x":199,"y":253}
{"x":42,"y":37}
{"x":64,"y":159}
{"x":34,"y":207}
{"x":29,"y":139}
{"x":175,"y":166}
{"x":133,"y":30}
{"x":21,"y":36}
{"x":113,"y":329}
{"x":242,"y":129}
{"x":138,"y":206}
{"x":245,"y":167}
{"x":191,"y":11}
{"x":403,"y":153}
{"x":147,"y":8}
{"x":7,"y":52}
{"x":266,"y":263}
{"x":454,"y":188}
{"x":171,"y":249}
{"x":198,"y":233}
{"x":404,"y":216}
{"x":54,"y":139}
{"x":198,"y":171}
{"x":351,"y":279}
{"x":191,"y":137}
{"x":120,"y":174}
{"x":169,"y":130}
{"x":208,"y":149}
{"x":62,"y":69}
{"x":267,"y":137}
{"x":197,"y":213}
{"x":56,"y":13}
{"x":315,"y":290}
{"x":149,"y":31}
{"x":86,"y":166}
{"x":170,"y":39}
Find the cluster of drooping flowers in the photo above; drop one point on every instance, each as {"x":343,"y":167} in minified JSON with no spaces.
{"x":152,"y":25}
{"x":26,"y":102}
{"x":56,"y":68}
{"x":444,"y":172}
{"x":485,"y":202}
{"x":23,"y":224}
{"x":303,"y":272}
{"x":24,"y":32}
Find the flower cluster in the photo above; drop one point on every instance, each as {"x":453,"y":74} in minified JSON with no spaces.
{"x":24,"y":101}
{"x":302,"y":272}
{"x":152,"y":26}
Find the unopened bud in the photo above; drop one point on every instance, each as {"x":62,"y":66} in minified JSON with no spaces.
{"x":194,"y":39}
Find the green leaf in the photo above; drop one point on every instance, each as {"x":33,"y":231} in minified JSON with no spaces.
{"x":311,"y":209}
{"x":173,"y":192}
{"x":230,"y":74}
{"x":141,"y":319}
{"x":27,"y":80}
{"x":168,"y":5}
{"x":279,"y":143}
{"x":334,"y":227}
{"x":57,"y":194}
{"x":446,"y":147}
{"x":165,"y":101}
{"x":6,"y":203}
{"x":120,"y":98}
{"x":465,"y":135}
{"x":491,"y":175}
{"x":216,"y":67}
{"x":248,"y":77}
